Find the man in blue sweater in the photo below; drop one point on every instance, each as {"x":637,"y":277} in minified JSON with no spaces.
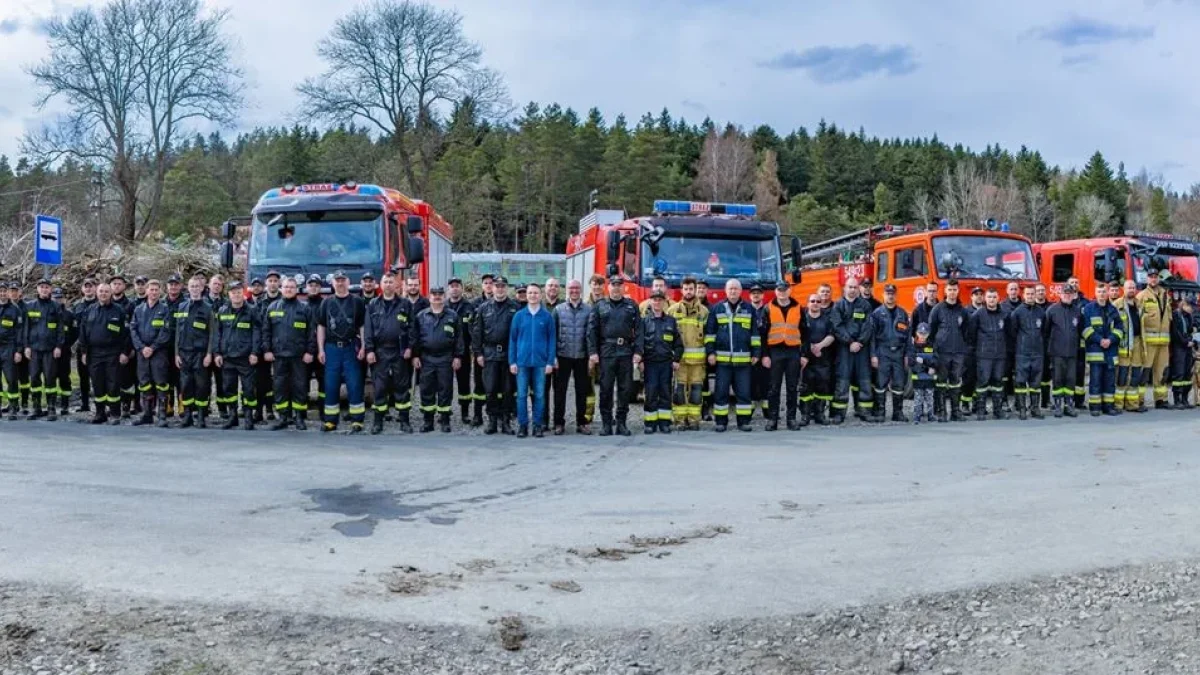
{"x":531,"y":347}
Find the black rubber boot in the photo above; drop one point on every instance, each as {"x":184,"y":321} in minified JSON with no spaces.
{"x":1035,"y":410}
{"x":377,"y":423}
{"x":147,"y":416}
{"x":1022,"y":413}
{"x":819,"y":413}
{"x":428,"y":425}
{"x":202,"y":418}
{"x":898,"y":408}
{"x":284,"y":421}
{"x":248,"y":419}
{"x":300,"y":423}
{"x":998,"y":406}
{"x":444,"y":422}
{"x":51,"y":409}
{"x":664,"y":426}
{"x":606,"y":428}
{"x":491,"y":425}
{"x":623,"y":430}
{"x":189,"y":419}
{"x":651,"y":428}
{"x":229,"y":423}
{"x":506,"y":426}
{"x":160,"y":412}
{"x":807,"y":408}
{"x":772,"y":425}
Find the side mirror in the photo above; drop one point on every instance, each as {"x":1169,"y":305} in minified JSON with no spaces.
{"x":226,"y":254}
{"x":1110,"y":265}
{"x":228,"y":229}
{"x":416,"y":251}
{"x":415,"y":225}
{"x":611,"y":270}
{"x":613,"y":246}
{"x":797,"y":252}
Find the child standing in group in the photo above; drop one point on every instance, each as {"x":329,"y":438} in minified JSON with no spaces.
{"x":923,"y":364}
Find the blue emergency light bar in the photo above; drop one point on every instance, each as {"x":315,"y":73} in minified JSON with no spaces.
{"x":323,"y":188}
{"x":703,"y":208}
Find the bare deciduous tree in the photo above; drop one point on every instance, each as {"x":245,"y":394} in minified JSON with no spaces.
{"x":401,"y":66}
{"x":725,"y":171}
{"x":1038,"y":215}
{"x":923,"y":209}
{"x":1093,"y":215}
{"x":768,"y":191}
{"x":133,"y":73}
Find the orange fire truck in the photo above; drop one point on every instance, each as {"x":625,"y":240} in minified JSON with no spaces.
{"x":1130,"y":256}
{"x":709,"y":241}
{"x":987,"y":258}
{"x":301,"y":230}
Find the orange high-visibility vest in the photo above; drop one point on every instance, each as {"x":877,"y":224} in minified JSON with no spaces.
{"x":785,"y":325}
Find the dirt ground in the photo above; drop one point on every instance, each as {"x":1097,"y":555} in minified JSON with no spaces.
{"x":1130,"y":620}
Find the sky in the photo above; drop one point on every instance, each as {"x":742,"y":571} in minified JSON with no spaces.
{"x":1067,"y":77}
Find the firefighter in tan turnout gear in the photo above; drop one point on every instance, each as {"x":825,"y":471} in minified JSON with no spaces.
{"x":690,"y":317}
{"x":1155,"y":306}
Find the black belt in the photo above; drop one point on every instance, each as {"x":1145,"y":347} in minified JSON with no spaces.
{"x":342,"y":344}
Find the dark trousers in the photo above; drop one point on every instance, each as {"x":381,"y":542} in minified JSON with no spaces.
{"x":569,"y":369}
{"x":950,"y":370}
{"x":853,"y":369}
{"x":343,"y":367}
{"x":1062,"y":378}
{"x":1102,"y":383}
{"x":23,"y":381}
{"x":1047,"y":380}
{"x":129,"y":380}
{"x":1180,"y":371}
{"x":85,"y":381}
{"x":153,"y":379}
{"x":217,"y":388}
{"x":104,"y":371}
{"x":738,"y":378}
{"x":891,"y":375}
{"x":760,"y":387}
{"x":817,"y":380}
{"x":63,"y":381}
{"x":989,"y":374}
{"x":1027,"y":376}
{"x":437,"y":386}
{"x":785,"y":368}
{"x":477,"y":386}
{"x":264,"y":384}
{"x":238,"y":371}
{"x":43,"y":377}
{"x":194,"y":383}
{"x":462,"y":378}
{"x":658,"y":392}
{"x":615,"y":371}
{"x":500,"y":386}
{"x":387,"y":379}
{"x":1081,"y":371}
{"x":291,"y":385}
{"x":10,"y":393}
{"x":970,"y":380}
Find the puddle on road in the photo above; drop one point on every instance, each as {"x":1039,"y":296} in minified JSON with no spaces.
{"x":368,"y":507}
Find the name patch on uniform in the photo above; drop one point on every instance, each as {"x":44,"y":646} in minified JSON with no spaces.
{"x":34,"y":314}
{"x":199,"y":325}
{"x":402,"y":318}
{"x":157,"y":323}
{"x":228,"y":317}
{"x":299,"y":324}
{"x":275,"y":313}
{"x":7,"y":323}
{"x":668,"y":337}
{"x":859,"y":315}
{"x":51,"y":326}
{"x":243,"y":324}
{"x":116,"y":328}
{"x":448,"y":329}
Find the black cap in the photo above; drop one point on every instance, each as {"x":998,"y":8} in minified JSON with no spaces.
{"x":487,"y":276}
{"x":236,"y":285}
{"x":313,"y":279}
{"x":117,"y":275}
{"x":174,"y":279}
{"x":56,"y":293}
{"x":658,"y":295}
{"x":522,"y":289}
{"x":14,"y":286}
{"x":437,"y":290}
{"x":756,"y":287}
{"x":141,"y":279}
{"x":616,"y":279}
{"x":272,"y":273}
{"x":340,"y":275}
{"x":782,"y":287}
{"x":499,"y":279}
{"x":1068,"y":288}
{"x":90,"y":281}
{"x":367,"y":275}
{"x":977,"y":289}
{"x":256,"y":281}
{"x":889,"y":288}
{"x":454,"y":280}
{"x":1153,"y":271}
{"x":44,"y":281}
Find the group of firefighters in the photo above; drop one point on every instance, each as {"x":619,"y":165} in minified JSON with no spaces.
{"x":174,"y":350}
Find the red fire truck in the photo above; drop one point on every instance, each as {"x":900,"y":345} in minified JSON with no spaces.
{"x":1103,"y":259}
{"x":709,"y":241}
{"x":301,"y":230}
{"x":988,"y":258}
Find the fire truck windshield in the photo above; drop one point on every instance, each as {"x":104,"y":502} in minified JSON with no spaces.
{"x":716,"y":259}
{"x":1180,"y":266}
{"x":983,"y":257}
{"x":317,"y":238}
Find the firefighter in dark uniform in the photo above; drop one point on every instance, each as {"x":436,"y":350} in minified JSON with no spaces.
{"x":1102,"y":333}
{"x":760,"y":375}
{"x":1013,"y":300}
{"x":340,"y":349}
{"x":174,"y":298}
{"x":1027,"y":330}
{"x":784,"y":318}
{"x":414,"y":303}
{"x":77,"y":310}
{"x":368,"y":287}
{"x":817,"y":347}
{"x":239,"y":341}
{"x":733,"y":343}
{"x":152,"y":330}
{"x":1081,"y":365}
{"x":1047,"y":384}
{"x":386,"y":340}
{"x":12,"y":348}
{"x":463,"y":309}
{"x":662,"y":350}
{"x":1180,"y":358}
{"x":478,"y":393}
{"x":45,"y":336}
{"x":290,"y":343}
{"x":104,"y":345}
{"x":948,"y":335}
{"x":16,"y":299}
{"x":489,"y":343}
{"x":986,"y":333}
{"x":437,"y":349}
{"x":315,"y":370}
{"x":130,"y":401}
{"x":63,"y":366}
{"x":1062,"y":345}
{"x":612,"y":334}
{"x":851,"y":319}
{"x":264,"y":383}
{"x":889,"y":350}
{"x":970,"y":378}
{"x":195,"y":343}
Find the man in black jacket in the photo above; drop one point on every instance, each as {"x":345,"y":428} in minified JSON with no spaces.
{"x":817,"y":361}
{"x":463,"y":309}
{"x":1062,"y":347}
{"x":12,"y":351}
{"x":436,"y":338}
{"x":340,"y":349}
{"x":290,"y":343}
{"x":195,"y":342}
{"x":104,"y":346}
{"x":986,"y":333}
{"x":851,"y":319}
{"x":78,"y":309}
{"x":152,"y":330}
{"x":661,"y":349}
{"x":45,"y":336}
{"x":490,"y":327}
{"x":613,"y":332}
{"x":1027,"y":329}
{"x":386,"y":341}
{"x":889,"y":350}
{"x":239,"y":341}
{"x":948,"y":335}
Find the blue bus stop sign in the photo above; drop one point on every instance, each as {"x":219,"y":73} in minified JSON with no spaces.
{"x":47,"y":248}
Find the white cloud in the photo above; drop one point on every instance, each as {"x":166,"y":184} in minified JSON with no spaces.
{"x":977,"y":74}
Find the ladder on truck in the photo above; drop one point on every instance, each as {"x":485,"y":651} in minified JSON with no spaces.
{"x":838,"y":245}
